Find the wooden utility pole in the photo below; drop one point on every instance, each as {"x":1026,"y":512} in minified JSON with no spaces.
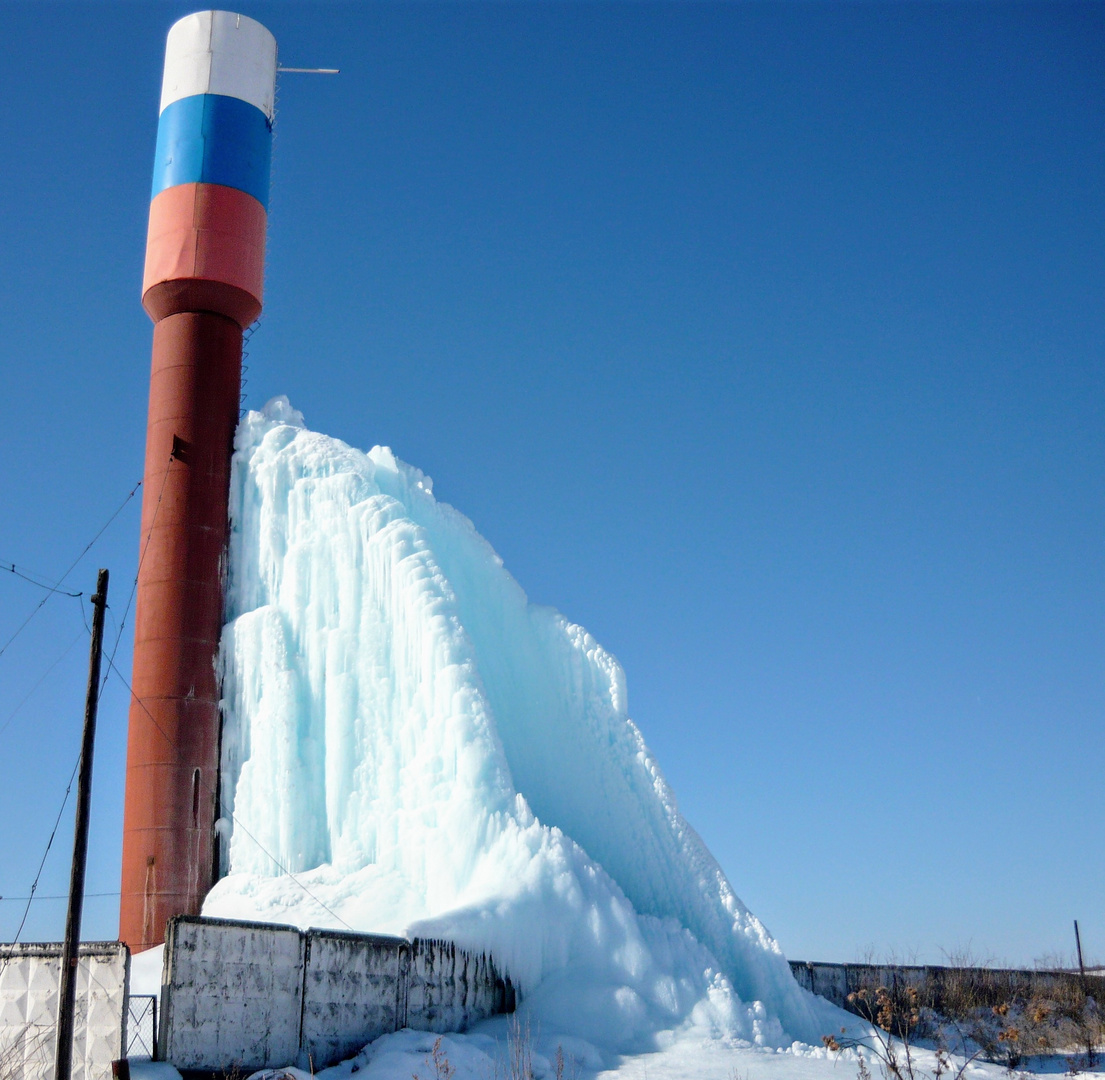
{"x":1078,"y":946}
{"x":68,"y":995}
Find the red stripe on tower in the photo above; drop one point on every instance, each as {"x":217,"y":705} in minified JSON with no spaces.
{"x":205,"y":252}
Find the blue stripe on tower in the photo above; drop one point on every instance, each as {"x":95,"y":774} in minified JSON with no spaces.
{"x":214,"y":139}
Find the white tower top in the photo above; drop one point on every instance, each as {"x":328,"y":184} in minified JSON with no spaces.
{"x":220,"y":52}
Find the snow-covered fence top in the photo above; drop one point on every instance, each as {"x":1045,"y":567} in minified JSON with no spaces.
{"x":255,"y":995}
{"x":30,"y":976}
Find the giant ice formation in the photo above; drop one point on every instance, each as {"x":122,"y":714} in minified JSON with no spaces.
{"x":426,"y":751}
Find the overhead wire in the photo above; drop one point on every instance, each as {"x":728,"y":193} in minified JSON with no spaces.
{"x":54,"y":896}
{"x":42,"y":678}
{"x":111,"y":665}
{"x":141,"y":560}
{"x":51,"y":590}
{"x":32,"y":577}
{"x":23,"y":625}
{"x":233,"y":817}
{"x":49,"y":843}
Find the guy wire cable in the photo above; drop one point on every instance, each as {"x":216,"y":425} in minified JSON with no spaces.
{"x":72,"y":565}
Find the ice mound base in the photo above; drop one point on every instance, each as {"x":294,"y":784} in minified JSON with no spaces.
{"x":429,"y":753}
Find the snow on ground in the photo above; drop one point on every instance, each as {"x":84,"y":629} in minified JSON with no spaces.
{"x":484,"y":1054}
{"x":407,"y":1055}
{"x":429,"y":753}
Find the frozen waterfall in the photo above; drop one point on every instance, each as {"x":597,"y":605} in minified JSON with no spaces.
{"x":428,"y":752}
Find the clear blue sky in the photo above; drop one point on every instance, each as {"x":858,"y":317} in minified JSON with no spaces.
{"x":765,"y":340}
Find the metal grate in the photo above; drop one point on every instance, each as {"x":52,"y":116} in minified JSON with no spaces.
{"x":142,"y":1026}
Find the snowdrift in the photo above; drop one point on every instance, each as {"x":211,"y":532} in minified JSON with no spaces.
{"x":430,"y":754}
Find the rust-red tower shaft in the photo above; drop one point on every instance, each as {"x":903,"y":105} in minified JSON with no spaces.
{"x":202,"y":287}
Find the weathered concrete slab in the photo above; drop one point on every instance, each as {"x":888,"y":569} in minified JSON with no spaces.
{"x":837,"y":981}
{"x":231,"y":994}
{"x":353,"y":992}
{"x":30,"y":978}
{"x":255,"y":996}
{"x":449,"y":989}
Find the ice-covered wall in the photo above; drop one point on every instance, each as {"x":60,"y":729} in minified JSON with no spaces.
{"x":353,"y":991}
{"x":432,"y":755}
{"x":254,"y":995}
{"x":30,"y":977}
{"x":446,"y":987}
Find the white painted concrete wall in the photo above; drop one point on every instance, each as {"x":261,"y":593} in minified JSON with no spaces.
{"x":259,"y":996}
{"x":231,"y":994}
{"x":30,"y":978}
{"x":353,"y":992}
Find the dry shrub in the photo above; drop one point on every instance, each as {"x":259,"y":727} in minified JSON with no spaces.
{"x":439,"y":1062}
{"x":896,"y":1017}
{"x":1000,"y":1015}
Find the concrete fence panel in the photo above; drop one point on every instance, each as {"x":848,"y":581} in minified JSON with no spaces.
{"x":828,"y":980}
{"x":255,"y":996}
{"x":431,"y":987}
{"x":932,"y":981}
{"x":353,"y":992}
{"x":232,"y":994}
{"x":30,"y":978}
{"x":448,"y":989}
